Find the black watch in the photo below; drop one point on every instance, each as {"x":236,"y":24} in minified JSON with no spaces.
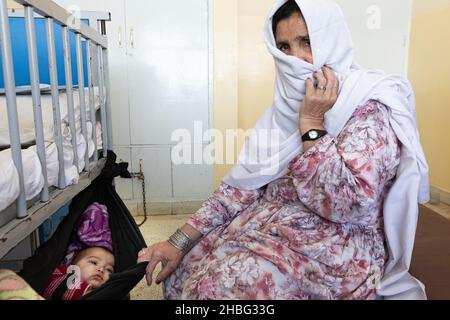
{"x":313,"y":135}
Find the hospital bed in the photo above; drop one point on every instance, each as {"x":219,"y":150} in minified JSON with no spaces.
{"x":55,"y":121}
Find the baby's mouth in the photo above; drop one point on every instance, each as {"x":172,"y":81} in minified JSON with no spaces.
{"x":97,"y":278}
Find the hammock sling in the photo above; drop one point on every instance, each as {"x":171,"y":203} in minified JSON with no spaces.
{"x":127,"y":239}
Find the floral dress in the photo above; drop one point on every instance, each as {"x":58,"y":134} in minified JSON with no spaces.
{"x":316,"y":233}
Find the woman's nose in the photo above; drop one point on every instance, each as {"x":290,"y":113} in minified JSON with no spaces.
{"x":301,"y":54}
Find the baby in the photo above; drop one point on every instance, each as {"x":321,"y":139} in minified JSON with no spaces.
{"x":96,"y":266}
{"x":92,"y":266}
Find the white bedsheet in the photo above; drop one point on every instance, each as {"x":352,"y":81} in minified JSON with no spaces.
{"x":34,"y":181}
{"x":26,"y":117}
{"x":10,"y":181}
{"x":33,"y":178}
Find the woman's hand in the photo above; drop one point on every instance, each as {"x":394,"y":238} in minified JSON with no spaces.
{"x":163,"y":252}
{"x":318,"y":101}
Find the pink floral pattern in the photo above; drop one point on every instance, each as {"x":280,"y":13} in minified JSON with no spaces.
{"x":316,"y":233}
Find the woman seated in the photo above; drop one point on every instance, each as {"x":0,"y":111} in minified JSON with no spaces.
{"x":334,"y":216}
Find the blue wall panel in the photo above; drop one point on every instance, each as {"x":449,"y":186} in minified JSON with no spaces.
{"x":20,"y":54}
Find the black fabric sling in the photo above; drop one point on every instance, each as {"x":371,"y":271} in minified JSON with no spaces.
{"x":126,"y":237}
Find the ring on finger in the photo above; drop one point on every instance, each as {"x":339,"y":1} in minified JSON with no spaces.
{"x":323,"y":88}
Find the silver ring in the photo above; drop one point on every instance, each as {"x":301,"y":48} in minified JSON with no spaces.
{"x":324,"y":88}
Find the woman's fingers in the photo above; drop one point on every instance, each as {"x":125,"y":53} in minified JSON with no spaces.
{"x":309,"y":87}
{"x":321,"y":81}
{"x":165,"y":272}
{"x":143,"y":256}
{"x":333,"y":84}
{"x":153,"y":262}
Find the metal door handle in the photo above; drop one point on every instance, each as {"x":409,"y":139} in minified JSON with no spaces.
{"x":120,"y":36}
{"x":132,"y":37}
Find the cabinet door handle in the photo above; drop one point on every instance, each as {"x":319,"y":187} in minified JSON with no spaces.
{"x":132,"y":37}
{"x":120,"y":37}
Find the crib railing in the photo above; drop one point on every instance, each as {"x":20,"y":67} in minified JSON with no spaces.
{"x":94,"y":42}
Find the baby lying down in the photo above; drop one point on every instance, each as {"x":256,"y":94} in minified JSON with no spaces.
{"x":89,"y":261}
{"x":87,"y":264}
{"x":91,"y":269}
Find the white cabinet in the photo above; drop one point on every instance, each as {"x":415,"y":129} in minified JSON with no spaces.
{"x":381,"y":31}
{"x":159,"y":55}
{"x":168,"y":65}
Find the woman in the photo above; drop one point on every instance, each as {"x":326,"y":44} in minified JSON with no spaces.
{"x":335,"y":216}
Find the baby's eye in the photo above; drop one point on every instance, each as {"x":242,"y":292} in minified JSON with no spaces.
{"x":93,"y":262}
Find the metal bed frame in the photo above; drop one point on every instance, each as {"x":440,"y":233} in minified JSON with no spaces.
{"x":30,"y":216}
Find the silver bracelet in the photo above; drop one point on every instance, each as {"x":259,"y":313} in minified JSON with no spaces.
{"x":181,"y":241}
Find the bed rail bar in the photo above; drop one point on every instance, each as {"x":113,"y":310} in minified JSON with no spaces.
{"x":36,"y":94}
{"x":10,"y":91}
{"x":91,"y":96}
{"x":101,"y":80}
{"x":57,"y":123}
{"x":69,"y":93}
{"x":82,"y":100}
{"x":108,"y":100}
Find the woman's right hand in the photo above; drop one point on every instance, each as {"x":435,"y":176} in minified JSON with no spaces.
{"x":169,"y":256}
{"x":318,"y":100}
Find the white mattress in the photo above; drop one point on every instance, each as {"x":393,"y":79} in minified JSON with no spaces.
{"x":9,"y":180}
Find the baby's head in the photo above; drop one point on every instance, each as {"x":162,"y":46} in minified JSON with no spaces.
{"x":96,"y":265}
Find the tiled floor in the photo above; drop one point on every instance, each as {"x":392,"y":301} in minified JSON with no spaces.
{"x":441,"y":208}
{"x":156,"y":229}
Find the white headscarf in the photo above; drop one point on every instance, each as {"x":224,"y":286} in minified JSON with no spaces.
{"x":332,"y":46}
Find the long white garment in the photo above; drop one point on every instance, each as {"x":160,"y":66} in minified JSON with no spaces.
{"x":332,"y":46}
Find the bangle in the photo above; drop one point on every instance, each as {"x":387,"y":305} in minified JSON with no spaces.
{"x":181,"y":241}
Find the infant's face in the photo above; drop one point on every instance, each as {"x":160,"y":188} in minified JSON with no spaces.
{"x":96,"y":265}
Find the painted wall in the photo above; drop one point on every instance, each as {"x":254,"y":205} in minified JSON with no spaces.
{"x":12,"y":5}
{"x":243,"y":70}
{"x":256,"y":72}
{"x":225,"y":66}
{"x":429,"y":72}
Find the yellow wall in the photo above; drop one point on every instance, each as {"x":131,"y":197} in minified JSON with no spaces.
{"x":243,"y":69}
{"x":12,"y":5}
{"x":225,"y":71}
{"x":256,"y":71}
{"x":429,"y":72}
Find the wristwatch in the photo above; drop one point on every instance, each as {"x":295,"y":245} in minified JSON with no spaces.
{"x":313,"y":135}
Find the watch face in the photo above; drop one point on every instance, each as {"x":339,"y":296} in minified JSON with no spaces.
{"x":313,"y":134}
